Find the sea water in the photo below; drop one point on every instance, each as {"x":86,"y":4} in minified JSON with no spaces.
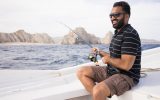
{"x":48,"y":57}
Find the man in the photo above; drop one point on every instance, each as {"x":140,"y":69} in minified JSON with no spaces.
{"x":124,"y":59}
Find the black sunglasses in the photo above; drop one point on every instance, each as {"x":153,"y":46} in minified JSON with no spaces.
{"x":115,"y":15}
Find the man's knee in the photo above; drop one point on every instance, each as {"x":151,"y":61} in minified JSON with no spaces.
{"x":83,"y":71}
{"x":80,"y":72}
{"x":101,"y":89}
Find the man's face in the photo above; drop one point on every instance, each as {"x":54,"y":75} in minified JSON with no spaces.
{"x":117,"y":17}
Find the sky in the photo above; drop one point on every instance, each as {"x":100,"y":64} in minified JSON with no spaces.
{"x":43,"y":16}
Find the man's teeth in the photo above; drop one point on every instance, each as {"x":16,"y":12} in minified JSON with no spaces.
{"x":114,"y":22}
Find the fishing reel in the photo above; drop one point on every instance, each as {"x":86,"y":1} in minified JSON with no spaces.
{"x":93,"y":56}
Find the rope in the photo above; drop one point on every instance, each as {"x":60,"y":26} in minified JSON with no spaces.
{"x":144,"y":70}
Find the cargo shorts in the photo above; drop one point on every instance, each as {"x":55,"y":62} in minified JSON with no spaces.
{"x":117,"y":83}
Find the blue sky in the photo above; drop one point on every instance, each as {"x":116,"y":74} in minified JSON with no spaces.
{"x":41,"y":16}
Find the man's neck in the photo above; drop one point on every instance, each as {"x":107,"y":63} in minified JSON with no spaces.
{"x":121,"y":28}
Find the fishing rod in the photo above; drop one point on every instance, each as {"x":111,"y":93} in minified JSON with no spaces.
{"x":76,"y":34}
{"x":92,"y":56}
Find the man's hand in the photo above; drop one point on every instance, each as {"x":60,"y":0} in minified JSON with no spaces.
{"x":105,"y":59}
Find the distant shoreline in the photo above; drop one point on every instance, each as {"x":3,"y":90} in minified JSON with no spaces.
{"x":24,"y":43}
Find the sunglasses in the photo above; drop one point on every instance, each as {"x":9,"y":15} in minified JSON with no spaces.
{"x":115,"y":15}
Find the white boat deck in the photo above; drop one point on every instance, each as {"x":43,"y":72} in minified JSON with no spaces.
{"x":63,"y":84}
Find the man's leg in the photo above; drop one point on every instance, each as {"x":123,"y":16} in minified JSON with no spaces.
{"x":89,"y":75}
{"x":101,"y":91}
{"x":116,"y":84}
{"x":85,"y":75}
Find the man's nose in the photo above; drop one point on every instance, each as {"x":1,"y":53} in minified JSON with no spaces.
{"x":112,"y":18}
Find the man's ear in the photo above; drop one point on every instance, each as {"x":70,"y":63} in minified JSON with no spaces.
{"x":127,"y":17}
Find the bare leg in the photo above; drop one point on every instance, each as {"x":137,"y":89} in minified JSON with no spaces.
{"x":100,"y":91}
{"x":85,"y":75}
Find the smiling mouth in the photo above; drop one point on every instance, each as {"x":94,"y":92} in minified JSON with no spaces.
{"x":114,"y":22}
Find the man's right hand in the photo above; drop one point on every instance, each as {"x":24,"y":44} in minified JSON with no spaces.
{"x":105,"y":59}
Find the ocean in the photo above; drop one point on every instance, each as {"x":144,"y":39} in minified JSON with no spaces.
{"x":48,"y":57}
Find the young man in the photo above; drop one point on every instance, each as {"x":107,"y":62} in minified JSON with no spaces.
{"x":124,"y":59}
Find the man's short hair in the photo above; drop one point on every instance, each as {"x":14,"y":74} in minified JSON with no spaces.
{"x":125,"y":6}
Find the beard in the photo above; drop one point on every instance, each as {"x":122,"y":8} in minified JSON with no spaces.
{"x":119,"y":24}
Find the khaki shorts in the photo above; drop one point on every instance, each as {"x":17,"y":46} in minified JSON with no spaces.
{"x":117,"y":83}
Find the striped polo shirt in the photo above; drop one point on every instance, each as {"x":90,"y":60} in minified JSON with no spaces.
{"x":127,"y":41}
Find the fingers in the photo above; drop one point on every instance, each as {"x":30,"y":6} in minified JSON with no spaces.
{"x":105,"y":59}
{"x":95,"y":50}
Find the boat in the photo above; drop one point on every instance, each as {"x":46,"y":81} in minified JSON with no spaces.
{"x":63,"y":84}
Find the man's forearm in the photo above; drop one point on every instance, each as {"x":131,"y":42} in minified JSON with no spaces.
{"x":124,"y":63}
{"x":102,"y":53}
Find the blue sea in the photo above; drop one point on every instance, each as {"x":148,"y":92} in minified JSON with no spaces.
{"x":48,"y":57}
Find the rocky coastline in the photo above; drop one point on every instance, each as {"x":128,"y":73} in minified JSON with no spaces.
{"x":81,"y":37}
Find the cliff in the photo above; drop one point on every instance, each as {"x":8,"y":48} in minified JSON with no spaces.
{"x":81,"y":38}
{"x":107,"y":38}
{"x":22,"y":36}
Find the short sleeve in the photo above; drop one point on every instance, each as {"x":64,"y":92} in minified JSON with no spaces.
{"x":130,"y":44}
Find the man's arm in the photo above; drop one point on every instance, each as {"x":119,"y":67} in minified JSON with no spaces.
{"x":124,"y":63}
{"x":102,"y":53}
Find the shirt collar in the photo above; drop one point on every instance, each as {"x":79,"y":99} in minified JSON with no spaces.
{"x":116,"y":31}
